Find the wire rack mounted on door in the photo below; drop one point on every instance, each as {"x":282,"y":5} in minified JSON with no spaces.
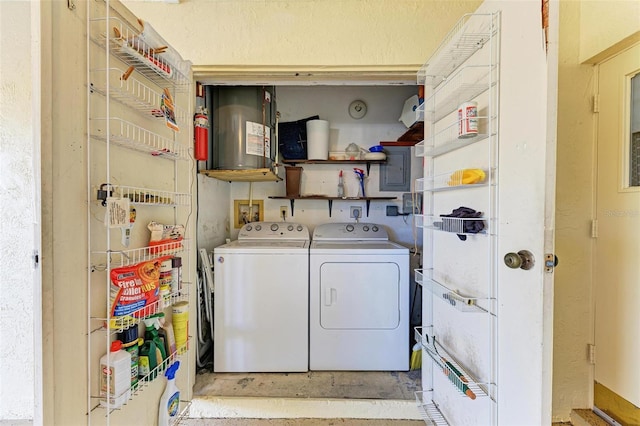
{"x":140,"y":255}
{"x":459,"y":220}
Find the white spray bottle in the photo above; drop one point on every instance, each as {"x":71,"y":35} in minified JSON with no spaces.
{"x":170,"y":400}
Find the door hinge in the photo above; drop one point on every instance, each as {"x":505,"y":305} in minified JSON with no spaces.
{"x":596,"y":103}
{"x":36,"y":258}
{"x":594,"y":228}
{"x":591,"y":349}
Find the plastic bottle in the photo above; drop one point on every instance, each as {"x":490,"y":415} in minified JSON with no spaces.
{"x":176,"y":275}
{"x":340,"y":185}
{"x":181,"y":325}
{"x":115,"y":376}
{"x":170,"y":339}
{"x":148,"y":361}
{"x":152,"y":325}
{"x":153,"y":352}
{"x":169,"y":408}
{"x":129,"y":338}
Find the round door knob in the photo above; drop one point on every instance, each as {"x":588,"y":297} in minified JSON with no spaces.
{"x":512,"y":260}
{"x":523,"y":259}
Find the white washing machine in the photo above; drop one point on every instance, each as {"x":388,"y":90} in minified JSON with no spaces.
{"x":261,"y":300}
{"x":358,"y":300}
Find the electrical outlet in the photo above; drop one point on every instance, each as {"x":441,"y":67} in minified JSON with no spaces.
{"x":355,"y":212}
{"x":283,"y":212}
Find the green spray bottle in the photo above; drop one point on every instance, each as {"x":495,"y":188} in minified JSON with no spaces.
{"x":152,"y":352}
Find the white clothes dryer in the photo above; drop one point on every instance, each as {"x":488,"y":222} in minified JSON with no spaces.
{"x":261,"y":300}
{"x":358,"y":300}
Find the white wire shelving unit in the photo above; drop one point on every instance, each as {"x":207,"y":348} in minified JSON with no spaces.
{"x":138,"y":133}
{"x":460,"y":169}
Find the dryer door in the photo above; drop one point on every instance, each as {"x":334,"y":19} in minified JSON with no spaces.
{"x":359,"y":295}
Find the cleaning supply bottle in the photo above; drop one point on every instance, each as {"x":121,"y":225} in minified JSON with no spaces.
{"x":360,"y":174}
{"x":170,"y":399}
{"x":148,"y":361}
{"x":152,"y":352}
{"x":340,"y":185}
{"x":115,"y":376}
{"x":152,"y":325}
{"x":170,"y":339}
{"x":129,"y":338}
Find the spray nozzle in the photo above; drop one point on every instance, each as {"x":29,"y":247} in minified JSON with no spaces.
{"x":154,"y":321}
{"x":171,"y":371}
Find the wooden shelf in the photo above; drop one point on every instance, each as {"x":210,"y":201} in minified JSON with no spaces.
{"x":367,"y":162}
{"x":251,"y":175}
{"x":330,"y":200}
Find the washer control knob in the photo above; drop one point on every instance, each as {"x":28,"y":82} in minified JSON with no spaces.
{"x":350,"y":228}
{"x":365,"y":228}
{"x":299,"y":228}
{"x":290,"y":228}
{"x":258,"y":228}
{"x":248,"y":228}
{"x":274,"y":227}
{"x":375,"y":228}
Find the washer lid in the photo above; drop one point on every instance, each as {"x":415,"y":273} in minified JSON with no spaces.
{"x":264,"y":247}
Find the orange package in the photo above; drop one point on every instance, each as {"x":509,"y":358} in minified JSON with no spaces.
{"x":135,"y":287}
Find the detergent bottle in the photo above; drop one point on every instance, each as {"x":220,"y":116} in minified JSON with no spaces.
{"x":115,"y":377}
{"x":169,"y":408}
{"x":152,"y":352}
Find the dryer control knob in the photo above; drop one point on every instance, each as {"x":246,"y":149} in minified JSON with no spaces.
{"x":375,"y":228}
{"x":248,"y":228}
{"x":258,"y":228}
{"x":299,"y":228}
{"x":274,"y":227}
{"x":290,"y":228}
{"x":349,"y":228}
{"x":365,"y":228}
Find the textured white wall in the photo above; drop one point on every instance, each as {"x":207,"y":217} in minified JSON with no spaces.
{"x":18,"y":213}
{"x":304,"y":32}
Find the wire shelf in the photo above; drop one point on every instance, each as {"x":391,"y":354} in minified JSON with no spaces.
{"x":153,"y":196}
{"x":457,"y":375}
{"x":121,"y":323}
{"x":429,"y":411}
{"x":447,"y":140}
{"x":129,"y":135}
{"x":454,"y":180}
{"x":133,"y":93}
{"x":457,"y":225}
{"x":126,"y":44}
{"x":452,"y":297}
{"x":468,"y":36}
{"x":143,"y":254}
{"x":144,"y":381}
{"x":464,"y":86}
